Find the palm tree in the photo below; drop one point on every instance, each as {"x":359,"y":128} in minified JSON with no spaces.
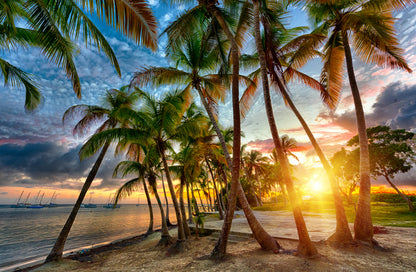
{"x":54,"y":25}
{"x":371,"y":25}
{"x":291,"y":52}
{"x":114,"y":101}
{"x":195,"y":59}
{"x":133,"y":167}
{"x":305,"y":246}
{"x":214,"y":11}
{"x":158,"y":122}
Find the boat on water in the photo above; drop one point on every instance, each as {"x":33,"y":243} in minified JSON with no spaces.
{"x":51,"y":202}
{"x":89,"y":205}
{"x":110,"y":203}
{"x":39,"y":205}
{"x":18,"y":203}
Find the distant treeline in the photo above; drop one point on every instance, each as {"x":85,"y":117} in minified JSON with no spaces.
{"x":391,"y":198}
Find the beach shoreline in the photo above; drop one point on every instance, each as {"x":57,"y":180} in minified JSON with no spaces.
{"x":141,"y":253}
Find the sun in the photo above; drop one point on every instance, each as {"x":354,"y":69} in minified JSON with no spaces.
{"x":317,"y":186}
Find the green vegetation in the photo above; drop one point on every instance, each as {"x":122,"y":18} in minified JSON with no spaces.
{"x":386,"y":210}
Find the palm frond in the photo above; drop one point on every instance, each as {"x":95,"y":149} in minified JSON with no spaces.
{"x":127,"y":189}
{"x":98,"y":140}
{"x":16,"y":77}
{"x":134,"y":18}
{"x":332,"y":71}
{"x":72,"y":20}
{"x":55,"y":47}
{"x":292,"y":74}
{"x":158,"y":76}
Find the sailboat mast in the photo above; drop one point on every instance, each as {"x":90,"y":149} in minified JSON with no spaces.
{"x":20,"y":197}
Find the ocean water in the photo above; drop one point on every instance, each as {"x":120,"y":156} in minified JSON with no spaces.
{"x":28,"y":235}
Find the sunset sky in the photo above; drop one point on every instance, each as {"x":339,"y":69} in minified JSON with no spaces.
{"x":38,"y":152}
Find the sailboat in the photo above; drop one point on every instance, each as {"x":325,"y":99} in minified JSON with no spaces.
{"x":90,"y":204}
{"x":51,"y":202}
{"x":18,"y":203}
{"x":110,"y":203}
{"x":37,"y":206}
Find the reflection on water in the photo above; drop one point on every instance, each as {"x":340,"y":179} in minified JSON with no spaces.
{"x":27,"y":234}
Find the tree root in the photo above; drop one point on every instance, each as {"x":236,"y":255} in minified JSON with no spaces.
{"x":177,"y":247}
{"x":165,"y":241}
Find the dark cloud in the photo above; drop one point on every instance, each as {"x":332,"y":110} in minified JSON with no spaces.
{"x":50,"y":164}
{"x":395,"y":106}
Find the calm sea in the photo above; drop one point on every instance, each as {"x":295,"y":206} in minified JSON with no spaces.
{"x":27,"y":235}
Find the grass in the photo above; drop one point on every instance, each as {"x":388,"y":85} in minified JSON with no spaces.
{"x":383,"y":213}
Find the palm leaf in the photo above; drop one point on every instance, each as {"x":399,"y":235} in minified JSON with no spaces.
{"x":133,"y":18}
{"x":292,"y":74}
{"x":16,"y":77}
{"x":72,"y":20}
{"x":332,"y":71}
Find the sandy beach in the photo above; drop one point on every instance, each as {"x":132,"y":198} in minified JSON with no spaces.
{"x":141,"y":254}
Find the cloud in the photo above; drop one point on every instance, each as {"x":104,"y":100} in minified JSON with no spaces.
{"x":395,"y":106}
{"x":51,"y":165}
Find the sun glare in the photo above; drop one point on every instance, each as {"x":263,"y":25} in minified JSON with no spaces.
{"x":317,"y":186}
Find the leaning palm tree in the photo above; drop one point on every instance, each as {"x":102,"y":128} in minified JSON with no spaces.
{"x":285,"y":54}
{"x":114,"y":101}
{"x":194,"y":67}
{"x":55,"y":25}
{"x":370,"y":24}
{"x":133,"y":167}
{"x":212,"y":9}
{"x":158,"y":122}
{"x":305,"y":246}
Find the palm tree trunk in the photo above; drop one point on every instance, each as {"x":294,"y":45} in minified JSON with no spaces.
{"x":220,"y":248}
{"x":210,"y":199}
{"x":363,"y":225}
{"x":181,"y":233}
{"x":58,"y":248}
{"x":259,"y":184}
{"x":183,"y":211}
{"x":149,"y":206}
{"x":305,"y":246}
{"x":225,"y":181}
{"x":165,"y":239}
{"x":342,"y":232}
{"x":167,"y":203}
{"x":189,"y":204}
{"x":409,"y":203}
{"x":194,"y":199}
{"x":215,"y":190}
{"x":200,"y":199}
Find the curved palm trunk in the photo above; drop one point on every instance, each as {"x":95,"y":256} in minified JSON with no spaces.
{"x":224,"y":180}
{"x":149,"y":206}
{"x":220,"y":248}
{"x":165,"y":239}
{"x":215,"y":190}
{"x":209,"y":198}
{"x":58,"y":248}
{"x":183,"y":211}
{"x":363,"y":225}
{"x":189,"y":204}
{"x":342,"y":232}
{"x":305,"y":246}
{"x":194,"y":199}
{"x":181,"y":233}
{"x":409,"y":202}
{"x":167,"y":203}
{"x":259,"y":184}
{"x":200,"y":199}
